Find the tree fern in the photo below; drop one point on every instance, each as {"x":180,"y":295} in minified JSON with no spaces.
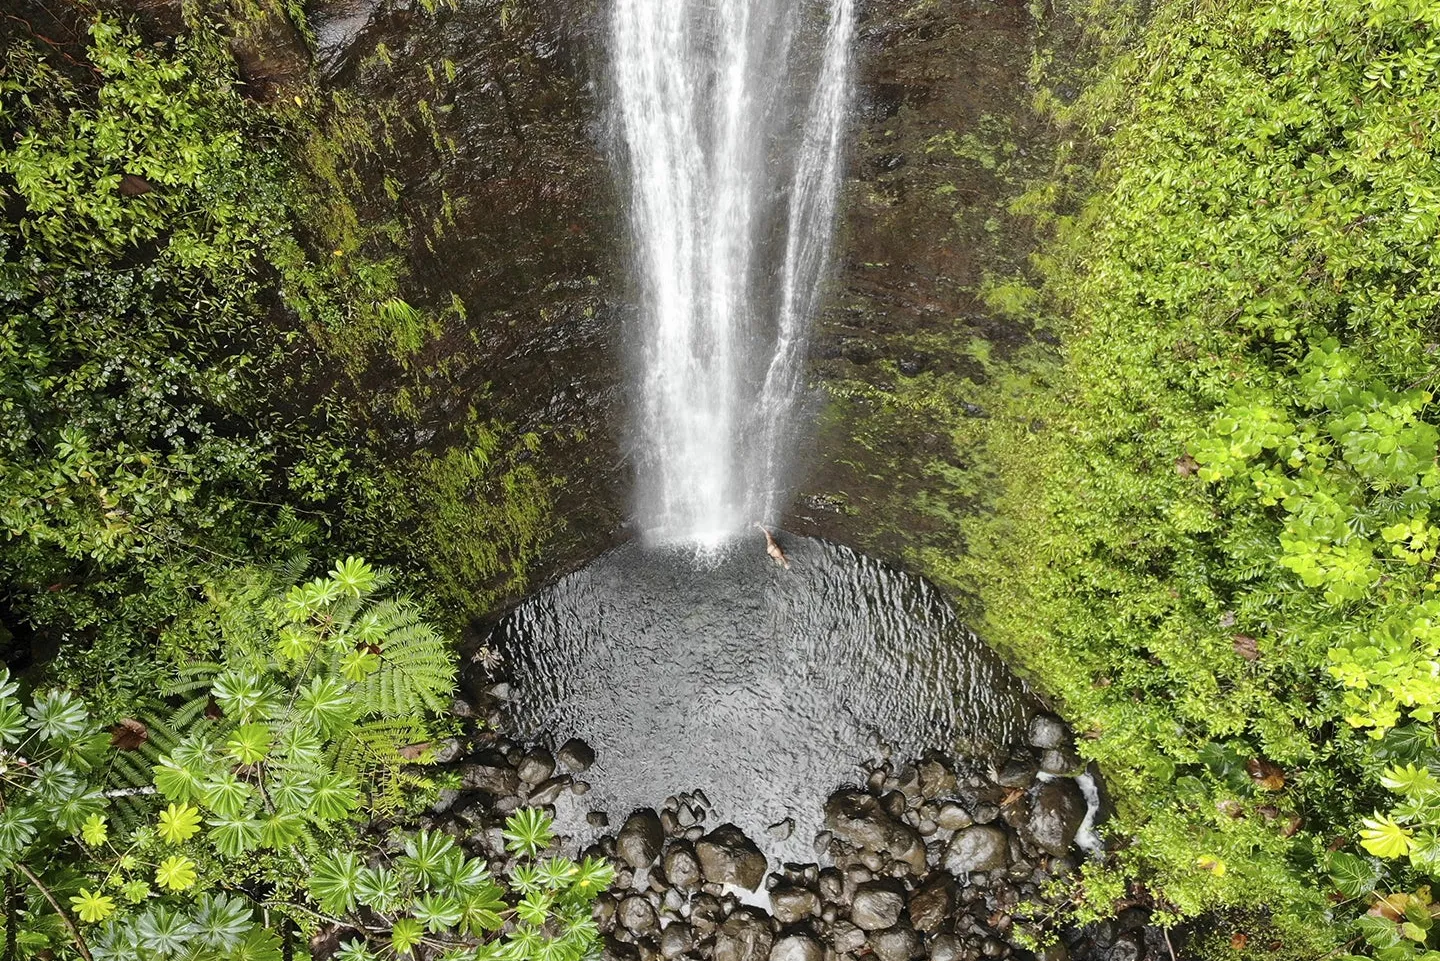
{"x":416,"y":673}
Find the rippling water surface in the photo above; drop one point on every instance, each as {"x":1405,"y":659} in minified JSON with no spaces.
{"x":763,"y":687}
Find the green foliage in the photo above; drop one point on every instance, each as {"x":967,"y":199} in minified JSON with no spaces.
{"x":1216,"y":542}
{"x":434,"y":894}
{"x":258,"y":806}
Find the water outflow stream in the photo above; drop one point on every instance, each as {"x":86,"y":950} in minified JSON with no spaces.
{"x":763,"y":687}
{"x":732,"y":114}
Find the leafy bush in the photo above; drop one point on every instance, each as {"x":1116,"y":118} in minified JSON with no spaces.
{"x":276,"y":761}
{"x":1217,"y":541}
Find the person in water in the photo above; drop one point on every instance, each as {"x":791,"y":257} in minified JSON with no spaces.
{"x":772,"y":548}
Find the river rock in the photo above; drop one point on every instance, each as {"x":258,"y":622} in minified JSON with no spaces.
{"x":953,"y":817}
{"x":899,"y":943}
{"x":547,"y":792}
{"x":859,"y":819}
{"x":640,"y":839}
{"x":494,"y":777}
{"x":846,"y":938}
{"x":781,"y":830}
{"x":797,"y":947}
{"x":745,"y":936}
{"x":706,"y":913}
{"x":1048,"y":732}
{"x":677,"y":939}
{"x":932,"y":903}
{"x":792,"y":905}
{"x":727,"y":856}
{"x":936,"y":780}
{"x":980,"y":847}
{"x":1061,"y":763}
{"x":575,"y":755}
{"x":946,"y":947}
{"x":1019,"y":771}
{"x":876,"y":905}
{"x":637,"y":914}
{"x":682,"y":867}
{"x":1055,"y":816}
{"x":537,"y":766}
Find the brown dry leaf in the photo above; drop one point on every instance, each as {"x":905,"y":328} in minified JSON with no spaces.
{"x":1231,"y":807}
{"x":1186,"y":466}
{"x":1292,"y":825}
{"x":414,"y":752}
{"x":1245,"y":646}
{"x":1390,"y":906}
{"x":133,"y":185}
{"x":1266,"y":774}
{"x":1238,"y":940}
{"x":129,"y":734}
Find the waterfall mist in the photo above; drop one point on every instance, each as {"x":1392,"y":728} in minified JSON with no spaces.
{"x":731,"y":114}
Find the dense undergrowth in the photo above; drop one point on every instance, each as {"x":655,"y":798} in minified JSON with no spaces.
{"x":206,"y":377}
{"x":1216,"y":542}
{"x":193,"y":355}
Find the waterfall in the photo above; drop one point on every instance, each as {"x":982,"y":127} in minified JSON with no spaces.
{"x":731,"y":113}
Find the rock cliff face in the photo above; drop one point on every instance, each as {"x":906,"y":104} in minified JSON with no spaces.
{"x":494,"y":152}
{"x":944,"y":139}
{"x":492,"y":158}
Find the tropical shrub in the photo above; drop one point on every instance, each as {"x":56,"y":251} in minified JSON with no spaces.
{"x":253,"y":804}
{"x":1216,"y":545}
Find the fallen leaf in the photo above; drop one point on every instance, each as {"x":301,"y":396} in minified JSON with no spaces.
{"x":1266,"y":774}
{"x":1246,"y":648}
{"x":414,"y":752}
{"x":132,"y":185}
{"x":129,"y":734}
{"x":1186,"y":466}
{"x":1292,"y":825}
{"x":1231,"y":807}
{"x":1238,"y":940}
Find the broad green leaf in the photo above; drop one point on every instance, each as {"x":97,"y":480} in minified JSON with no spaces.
{"x":1383,"y":838}
{"x":92,"y":907}
{"x":1353,"y":876}
{"x":176,"y":873}
{"x":179,"y":823}
{"x":335,"y":882}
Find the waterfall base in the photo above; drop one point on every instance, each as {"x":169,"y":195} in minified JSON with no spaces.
{"x":764,"y":688}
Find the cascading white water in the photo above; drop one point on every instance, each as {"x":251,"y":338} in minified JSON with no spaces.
{"x":732,"y":114}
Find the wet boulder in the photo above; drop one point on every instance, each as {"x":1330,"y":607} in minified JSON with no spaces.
{"x":877,"y":905}
{"x":1048,"y":732}
{"x":900,"y":943}
{"x":797,"y":947}
{"x":637,"y":915}
{"x":981,"y":847}
{"x":575,"y":755}
{"x":677,"y":939}
{"x":859,"y":819}
{"x":682,"y":868}
{"x":745,"y":936}
{"x":933,"y":902}
{"x":537,"y":766}
{"x":640,"y":839}
{"x":791,"y":905}
{"x":727,"y":856}
{"x":1055,"y":816}
{"x":490,"y":774}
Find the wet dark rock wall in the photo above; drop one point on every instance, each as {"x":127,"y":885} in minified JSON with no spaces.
{"x":491,"y":161}
{"x":496,"y":157}
{"x":944,"y":139}
{"x":536,"y":249}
